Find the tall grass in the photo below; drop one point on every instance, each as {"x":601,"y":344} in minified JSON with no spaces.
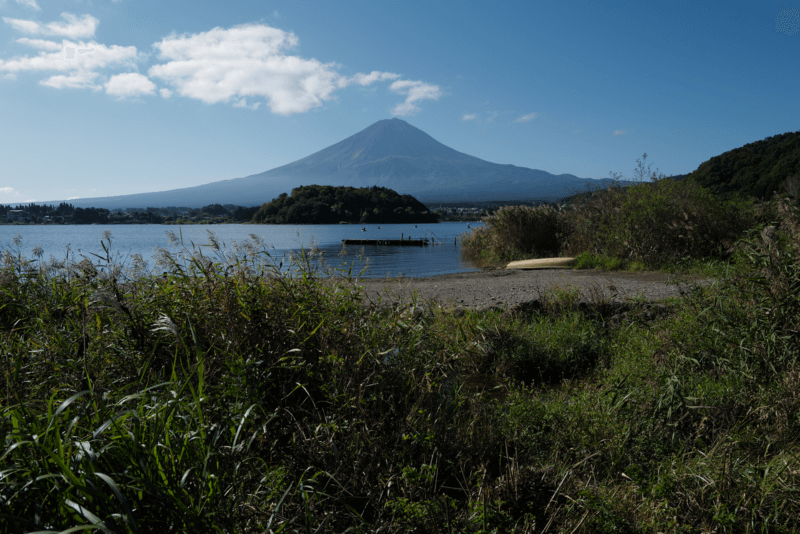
{"x":229,"y":396}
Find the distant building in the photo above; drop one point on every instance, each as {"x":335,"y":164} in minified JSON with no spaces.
{"x":15,"y":216}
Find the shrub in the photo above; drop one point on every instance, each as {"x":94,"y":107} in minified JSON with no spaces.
{"x":515,"y":232}
{"x":657,"y":223}
{"x":654,"y":224}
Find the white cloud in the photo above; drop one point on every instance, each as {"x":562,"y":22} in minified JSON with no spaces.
{"x":618,"y":132}
{"x":526,"y":118}
{"x":221,"y":65}
{"x":414,"y":91}
{"x":251,"y":60}
{"x":41,"y":44}
{"x":79,"y":80}
{"x":30,"y":3}
{"x":9,"y":194}
{"x":367,"y":79}
{"x":247,"y":60}
{"x":492,"y":116}
{"x":130,"y":84}
{"x":79,"y":60}
{"x":72,"y":198}
{"x":73,"y":28}
{"x":242,"y":103}
{"x":27,"y":26}
{"x":469,"y":116}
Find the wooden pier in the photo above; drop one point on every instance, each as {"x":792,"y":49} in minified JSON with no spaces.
{"x":388,"y":242}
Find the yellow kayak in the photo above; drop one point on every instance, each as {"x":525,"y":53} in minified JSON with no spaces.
{"x":542,"y":263}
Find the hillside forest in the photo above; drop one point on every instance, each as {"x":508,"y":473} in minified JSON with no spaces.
{"x":755,"y":170}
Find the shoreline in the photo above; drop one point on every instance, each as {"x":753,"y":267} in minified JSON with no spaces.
{"x":508,"y":287}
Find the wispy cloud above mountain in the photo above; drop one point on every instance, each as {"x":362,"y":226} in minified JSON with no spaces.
{"x":414,"y":91}
{"x":367,"y":79}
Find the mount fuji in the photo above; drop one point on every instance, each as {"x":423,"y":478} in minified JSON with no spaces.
{"x":390,"y":153}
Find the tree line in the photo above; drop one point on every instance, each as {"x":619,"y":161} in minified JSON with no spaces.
{"x":66,"y":213}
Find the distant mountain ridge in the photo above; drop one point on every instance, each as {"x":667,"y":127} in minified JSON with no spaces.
{"x":390,"y":153}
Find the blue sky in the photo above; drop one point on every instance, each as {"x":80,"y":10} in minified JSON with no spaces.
{"x":101,"y":97}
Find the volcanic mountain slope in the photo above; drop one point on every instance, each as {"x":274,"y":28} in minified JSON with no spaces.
{"x":390,"y":153}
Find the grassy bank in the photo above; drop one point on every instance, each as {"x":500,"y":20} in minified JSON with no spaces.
{"x":666,"y":224}
{"x":224,"y":396}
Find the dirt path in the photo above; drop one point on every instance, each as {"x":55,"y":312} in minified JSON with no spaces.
{"x":509,"y":287}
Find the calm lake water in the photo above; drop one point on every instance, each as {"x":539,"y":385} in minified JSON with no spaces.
{"x":126,"y":240}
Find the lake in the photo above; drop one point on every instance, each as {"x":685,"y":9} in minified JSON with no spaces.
{"x":126,"y":240}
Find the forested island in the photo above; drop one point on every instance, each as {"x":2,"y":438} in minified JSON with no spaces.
{"x":325,"y":204}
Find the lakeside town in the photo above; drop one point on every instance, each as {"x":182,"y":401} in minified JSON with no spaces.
{"x":66,"y":213}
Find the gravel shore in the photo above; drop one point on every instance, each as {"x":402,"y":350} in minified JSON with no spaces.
{"x":507,"y":287}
